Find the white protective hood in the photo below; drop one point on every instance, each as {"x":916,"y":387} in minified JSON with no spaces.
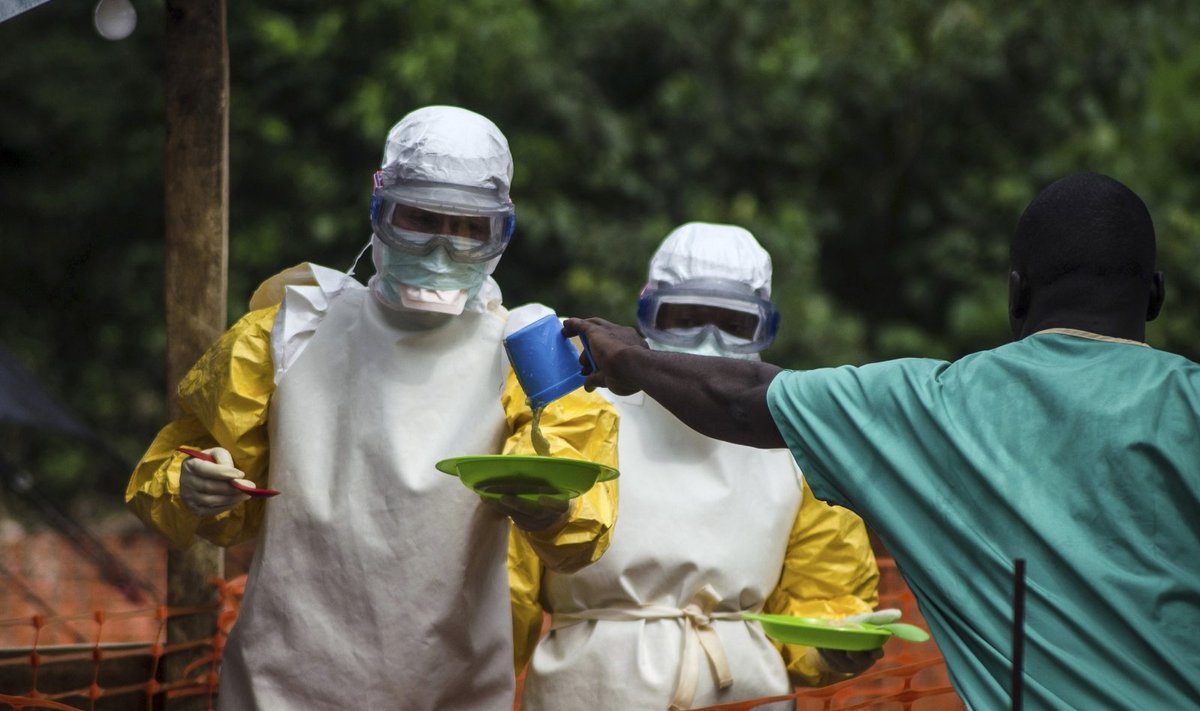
{"x":703,"y":250}
{"x":450,"y":146}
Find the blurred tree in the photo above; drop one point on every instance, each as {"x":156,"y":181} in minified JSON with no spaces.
{"x":881,"y":150}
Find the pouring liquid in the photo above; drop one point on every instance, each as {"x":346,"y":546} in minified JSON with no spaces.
{"x":540,"y":444}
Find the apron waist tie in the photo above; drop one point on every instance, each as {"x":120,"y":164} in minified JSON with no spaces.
{"x":698,"y":635}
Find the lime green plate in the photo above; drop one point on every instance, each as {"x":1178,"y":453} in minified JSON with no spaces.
{"x":819,"y":633}
{"x":527,"y":477}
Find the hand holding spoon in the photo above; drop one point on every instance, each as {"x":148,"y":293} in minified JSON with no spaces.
{"x":243,"y":485}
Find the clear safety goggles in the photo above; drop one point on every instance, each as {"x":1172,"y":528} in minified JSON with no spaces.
{"x":685,"y":314}
{"x":472,"y":225}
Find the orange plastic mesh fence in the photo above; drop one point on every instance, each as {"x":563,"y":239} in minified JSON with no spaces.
{"x":111,"y":657}
{"x":43,"y":574}
{"x":104,"y":674}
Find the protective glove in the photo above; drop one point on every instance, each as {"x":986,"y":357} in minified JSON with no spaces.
{"x":204,"y":486}
{"x":885,"y":616}
{"x":545,"y":514}
{"x":844,"y":662}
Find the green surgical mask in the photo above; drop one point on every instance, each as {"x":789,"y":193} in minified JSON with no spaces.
{"x":436,"y":271}
{"x":707,"y":347}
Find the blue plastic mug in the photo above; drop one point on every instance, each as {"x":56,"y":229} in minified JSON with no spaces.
{"x":546,"y":362}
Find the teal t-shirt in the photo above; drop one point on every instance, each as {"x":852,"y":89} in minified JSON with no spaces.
{"x":1078,"y":455}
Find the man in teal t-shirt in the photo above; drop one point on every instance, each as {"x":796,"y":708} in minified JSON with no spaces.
{"x":1076,"y":454}
{"x":1075,"y":448}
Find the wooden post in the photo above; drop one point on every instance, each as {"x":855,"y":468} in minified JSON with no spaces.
{"x":197,"y":251}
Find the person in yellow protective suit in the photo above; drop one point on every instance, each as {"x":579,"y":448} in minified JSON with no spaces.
{"x":378,"y":582}
{"x":709,"y":530}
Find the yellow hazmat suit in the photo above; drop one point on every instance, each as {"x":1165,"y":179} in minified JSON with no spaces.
{"x":742,"y":522}
{"x":709,"y":530}
{"x":377,"y":582}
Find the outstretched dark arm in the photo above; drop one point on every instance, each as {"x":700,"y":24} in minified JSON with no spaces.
{"x":722,"y":398}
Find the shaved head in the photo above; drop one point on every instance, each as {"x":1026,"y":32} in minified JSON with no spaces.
{"x":1088,"y":225}
{"x":1083,"y":251}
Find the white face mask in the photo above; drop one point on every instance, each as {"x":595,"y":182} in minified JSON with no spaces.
{"x":707,"y":347}
{"x":450,"y":301}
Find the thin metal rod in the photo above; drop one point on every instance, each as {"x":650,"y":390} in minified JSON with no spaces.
{"x":1018,"y":645}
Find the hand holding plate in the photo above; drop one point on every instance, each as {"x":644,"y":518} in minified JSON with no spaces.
{"x":532,"y":514}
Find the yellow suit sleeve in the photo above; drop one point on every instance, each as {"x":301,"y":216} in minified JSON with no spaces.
{"x":579,"y":425}
{"x":525,"y":585}
{"x":223,"y":402}
{"x":829,"y":572}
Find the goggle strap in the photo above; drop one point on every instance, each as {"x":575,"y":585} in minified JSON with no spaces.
{"x":433,"y":184}
{"x":510,"y":224}
{"x":643,"y":311}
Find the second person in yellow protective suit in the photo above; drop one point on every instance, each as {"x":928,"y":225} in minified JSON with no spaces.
{"x":708,"y":530}
{"x":378,"y":582}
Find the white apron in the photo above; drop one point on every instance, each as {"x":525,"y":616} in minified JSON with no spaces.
{"x":378,"y":581}
{"x":701,"y":537}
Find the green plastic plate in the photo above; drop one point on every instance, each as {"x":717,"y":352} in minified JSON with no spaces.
{"x":527,"y":477}
{"x":819,"y":633}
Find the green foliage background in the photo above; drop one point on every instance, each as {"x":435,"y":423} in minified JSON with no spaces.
{"x":881,"y":150}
